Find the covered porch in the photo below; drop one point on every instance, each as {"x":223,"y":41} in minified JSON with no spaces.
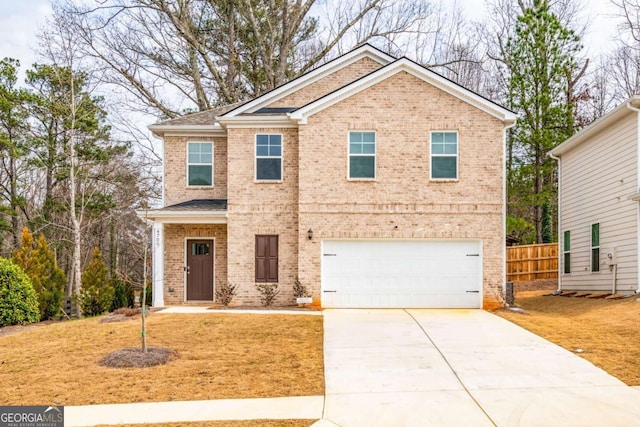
{"x":189,"y":252}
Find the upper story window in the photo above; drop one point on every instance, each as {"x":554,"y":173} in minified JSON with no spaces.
{"x":268,"y":157}
{"x":444,"y":155}
{"x":362,"y":155}
{"x":595,"y":247}
{"x":200,"y":164}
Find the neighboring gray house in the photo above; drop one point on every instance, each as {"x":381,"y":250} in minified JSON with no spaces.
{"x":599,"y":209}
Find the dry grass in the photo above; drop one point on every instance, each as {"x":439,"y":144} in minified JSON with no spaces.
{"x":608,"y":331}
{"x":219,"y":356}
{"x":248,"y":423}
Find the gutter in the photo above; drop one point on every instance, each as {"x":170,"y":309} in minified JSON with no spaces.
{"x":560,"y":233}
{"x":630,"y":106}
{"x":508,"y":125}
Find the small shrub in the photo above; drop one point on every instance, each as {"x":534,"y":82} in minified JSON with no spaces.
{"x":123,"y":295}
{"x":299,"y":290}
{"x":18,"y":300}
{"x":96,"y":294}
{"x":268,"y":293}
{"x":225,"y":293}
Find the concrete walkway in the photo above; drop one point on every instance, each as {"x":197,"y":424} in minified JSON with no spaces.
{"x":206,"y":310}
{"x":303,"y":407}
{"x":460,"y":367}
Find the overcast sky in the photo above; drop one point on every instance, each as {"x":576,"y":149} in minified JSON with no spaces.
{"x":21,"y":19}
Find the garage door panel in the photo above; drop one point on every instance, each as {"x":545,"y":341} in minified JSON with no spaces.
{"x":384,"y":273}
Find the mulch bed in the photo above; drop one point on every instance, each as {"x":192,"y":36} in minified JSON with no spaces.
{"x":135,"y":358}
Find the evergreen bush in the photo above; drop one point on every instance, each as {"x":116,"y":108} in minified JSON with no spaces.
{"x":96,"y":294}
{"x":123,"y":295}
{"x":18,"y":300}
{"x":38,"y":261}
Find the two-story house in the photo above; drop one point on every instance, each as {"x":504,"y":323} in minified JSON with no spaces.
{"x":373,"y":180}
{"x":599,"y":213}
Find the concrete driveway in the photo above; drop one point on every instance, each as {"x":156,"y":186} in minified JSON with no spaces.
{"x":460,"y":368}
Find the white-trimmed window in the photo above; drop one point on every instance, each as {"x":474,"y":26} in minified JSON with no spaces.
{"x":566,"y":246}
{"x":200,"y":164}
{"x":444,"y":155}
{"x":595,"y":247}
{"x":268,"y":157}
{"x":362,"y":155}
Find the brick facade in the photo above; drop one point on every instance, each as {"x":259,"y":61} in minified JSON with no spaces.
{"x":315,"y":193}
{"x":175,"y":170}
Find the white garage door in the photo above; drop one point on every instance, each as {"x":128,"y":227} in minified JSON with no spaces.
{"x":401,"y":274}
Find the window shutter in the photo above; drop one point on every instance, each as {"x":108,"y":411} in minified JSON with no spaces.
{"x":272,"y":259}
{"x":266,"y":258}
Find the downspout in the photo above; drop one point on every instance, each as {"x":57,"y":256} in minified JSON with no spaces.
{"x":560,"y":233}
{"x":504,"y":207}
{"x":637,"y":110}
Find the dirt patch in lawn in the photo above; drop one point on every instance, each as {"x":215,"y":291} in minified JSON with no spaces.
{"x":221,"y":356}
{"x":605,"y":332}
{"x":246,"y":423}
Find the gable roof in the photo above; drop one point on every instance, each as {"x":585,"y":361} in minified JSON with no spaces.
{"x":256,"y":111}
{"x":363,"y":51}
{"x":603,"y":122}
{"x":415,"y":69}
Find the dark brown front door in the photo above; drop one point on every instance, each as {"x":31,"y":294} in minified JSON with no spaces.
{"x":200,"y":270}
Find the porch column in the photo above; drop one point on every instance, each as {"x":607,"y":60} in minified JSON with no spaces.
{"x":158,"y":265}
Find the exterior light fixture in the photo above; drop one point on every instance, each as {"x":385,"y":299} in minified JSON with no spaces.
{"x":310,"y":234}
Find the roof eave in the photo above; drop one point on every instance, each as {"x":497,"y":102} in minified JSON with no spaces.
{"x":250,"y":121}
{"x":163,"y":130}
{"x":183,"y":216}
{"x":595,"y":127}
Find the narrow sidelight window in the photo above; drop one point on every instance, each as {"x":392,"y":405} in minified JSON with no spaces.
{"x":268,"y":157}
{"x":566,"y":242}
{"x":444,"y":155}
{"x":266,"y":259}
{"x":362,"y":155}
{"x":199,"y":164}
{"x":595,"y":247}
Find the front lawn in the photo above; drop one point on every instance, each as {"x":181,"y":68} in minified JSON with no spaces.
{"x":220,"y":356}
{"x":605,"y":332}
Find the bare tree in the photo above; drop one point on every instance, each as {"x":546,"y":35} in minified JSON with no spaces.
{"x":179,"y":56}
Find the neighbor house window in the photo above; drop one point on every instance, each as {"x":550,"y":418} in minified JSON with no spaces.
{"x":269,"y":157}
{"x":362,"y":155}
{"x":266,"y":259}
{"x":595,"y":247}
{"x":444,"y":155}
{"x":566,"y":242}
{"x":200,"y":164}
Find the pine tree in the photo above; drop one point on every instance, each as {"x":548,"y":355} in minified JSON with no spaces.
{"x":542,"y":65}
{"x":96,"y":293}
{"x":38,"y":261}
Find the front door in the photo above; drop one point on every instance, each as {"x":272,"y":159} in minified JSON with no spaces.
{"x":199,"y":270}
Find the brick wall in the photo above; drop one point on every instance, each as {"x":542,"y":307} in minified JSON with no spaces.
{"x":175,"y":166}
{"x":328,"y":84}
{"x":261,"y":208}
{"x":315,"y":192}
{"x":402,"y":110}
{"x":175,"y":236}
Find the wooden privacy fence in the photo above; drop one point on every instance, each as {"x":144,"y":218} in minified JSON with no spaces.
{"x":532,"y":262}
